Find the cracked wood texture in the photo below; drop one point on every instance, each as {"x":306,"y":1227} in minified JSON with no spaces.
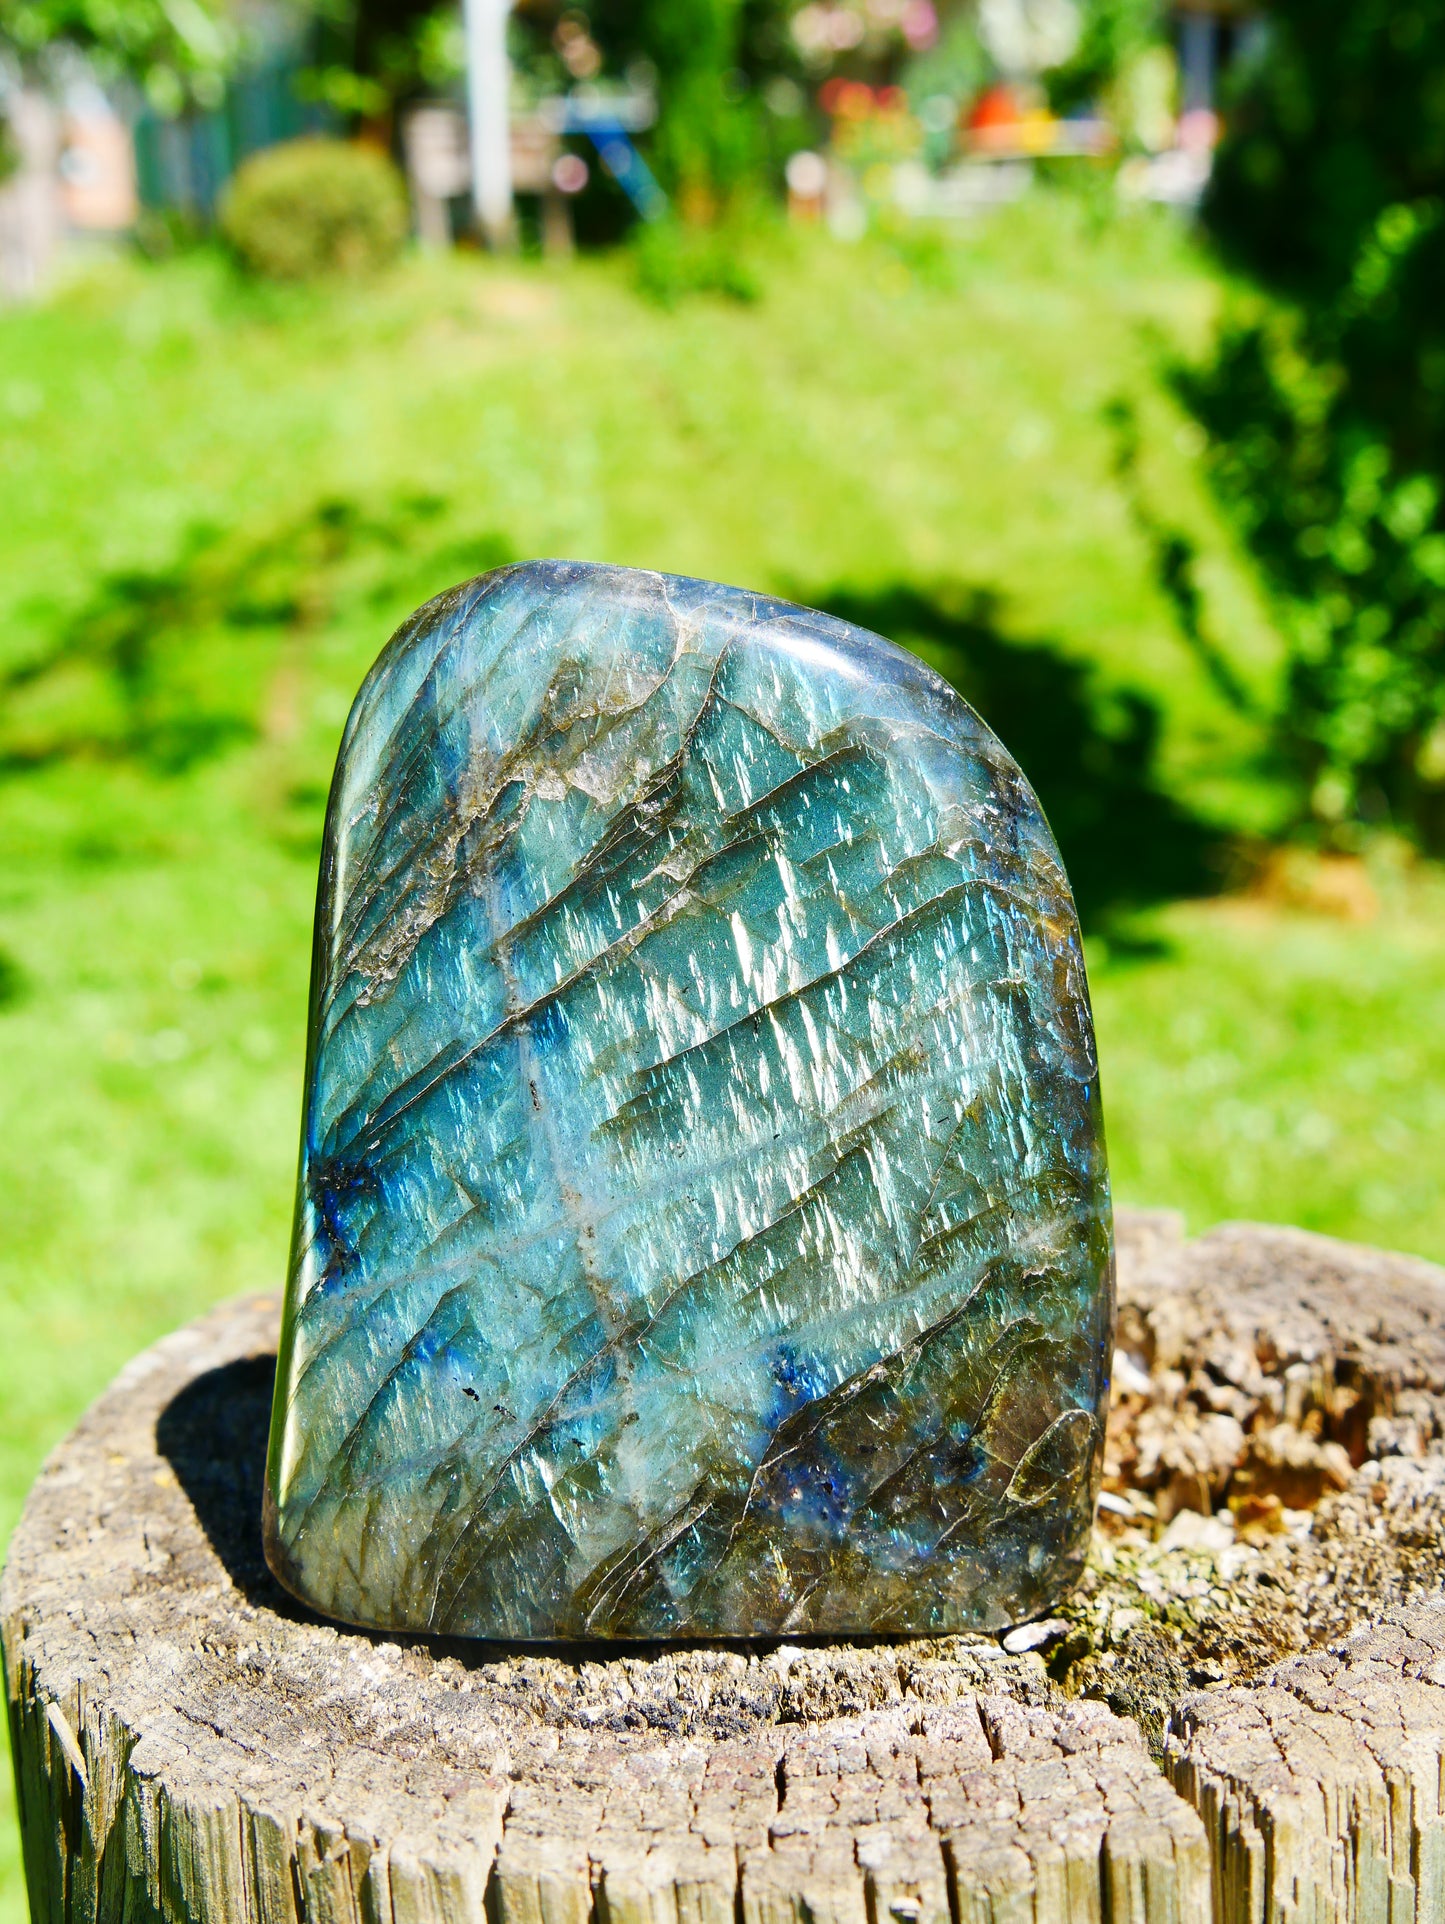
{"x":191,"y":1744}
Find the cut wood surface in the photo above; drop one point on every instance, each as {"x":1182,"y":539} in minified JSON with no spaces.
{"x":1239,"y":1715}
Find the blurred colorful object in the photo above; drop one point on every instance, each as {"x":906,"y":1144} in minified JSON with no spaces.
{"x":824,"y":28}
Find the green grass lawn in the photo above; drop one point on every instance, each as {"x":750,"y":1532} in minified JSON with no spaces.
{"x":215,"y":505}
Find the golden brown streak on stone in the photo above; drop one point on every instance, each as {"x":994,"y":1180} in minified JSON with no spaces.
{"x":502,"y":776}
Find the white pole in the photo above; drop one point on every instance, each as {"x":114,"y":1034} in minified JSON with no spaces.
{"x":488,"y":85}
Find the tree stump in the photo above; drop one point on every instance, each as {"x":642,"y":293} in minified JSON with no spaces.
{"x":1240,"y":1714}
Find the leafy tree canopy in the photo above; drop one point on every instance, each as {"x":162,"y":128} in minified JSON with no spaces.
{"x":1327,"y":412}
{"x":176,"y":49}
{"x":1341,"y":116}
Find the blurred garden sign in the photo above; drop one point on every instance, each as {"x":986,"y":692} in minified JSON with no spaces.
{"x":608,"y":117}
{"x":441,"y":160}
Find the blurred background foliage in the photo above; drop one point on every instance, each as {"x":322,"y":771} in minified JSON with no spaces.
{"x":1326,"y":403}
{"x":1158,"y":488}
{"x":180,"y":50}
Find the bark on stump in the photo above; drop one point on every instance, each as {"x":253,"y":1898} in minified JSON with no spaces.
{"x":1240,"y":1715}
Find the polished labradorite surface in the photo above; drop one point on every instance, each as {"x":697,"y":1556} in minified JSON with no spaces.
{"x":703,"y":1225}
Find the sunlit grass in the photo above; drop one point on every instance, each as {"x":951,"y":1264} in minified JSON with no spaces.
{"x":1282,"y":1065}
{"x":214,"y":505}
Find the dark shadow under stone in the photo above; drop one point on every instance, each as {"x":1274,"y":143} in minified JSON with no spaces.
{"x":213,"y":1434}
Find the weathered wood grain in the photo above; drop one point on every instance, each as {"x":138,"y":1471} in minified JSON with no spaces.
{"x":1322,"y":1787}
{"x":192,"y":1745}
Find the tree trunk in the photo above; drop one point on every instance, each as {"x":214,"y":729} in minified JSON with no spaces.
{"x":1239,"y":1716}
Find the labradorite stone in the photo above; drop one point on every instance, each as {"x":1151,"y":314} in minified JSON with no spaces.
{"x":703,"y":1225}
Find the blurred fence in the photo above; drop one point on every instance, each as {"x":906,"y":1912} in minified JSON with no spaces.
{"x":183,"y":163}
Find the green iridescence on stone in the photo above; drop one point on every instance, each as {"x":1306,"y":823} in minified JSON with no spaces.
{"x":703,"y":1222}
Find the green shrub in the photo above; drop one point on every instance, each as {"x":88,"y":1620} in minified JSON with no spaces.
{"x":312,"y":207}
